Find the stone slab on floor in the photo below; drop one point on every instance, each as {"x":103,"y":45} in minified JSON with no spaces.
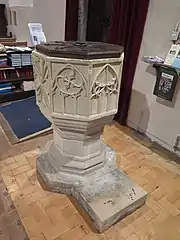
{"x":107,"y":195}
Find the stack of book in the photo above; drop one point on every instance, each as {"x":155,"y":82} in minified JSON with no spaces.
{"x":19,"y":56}
{"x":26,"y":59}
{"x":6,"y":87}
{"x":3,"y":59}
{"x":15,"y":59}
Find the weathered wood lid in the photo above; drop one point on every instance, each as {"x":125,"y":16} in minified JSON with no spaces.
{"x":80,"y":50}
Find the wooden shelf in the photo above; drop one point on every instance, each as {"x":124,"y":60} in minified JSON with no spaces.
{"x":20,"y":79}
{"x":14,"y":72}
{"x":16,"y":95}
{"x":14,"y":68}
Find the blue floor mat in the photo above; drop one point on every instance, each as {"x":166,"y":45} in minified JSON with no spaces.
{"x":24,"y":117}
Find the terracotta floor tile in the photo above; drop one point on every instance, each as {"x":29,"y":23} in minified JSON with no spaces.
{"x":31,"y":226}
{"x":159,"y":192}
{"x":68,"y":211}
{"x":133,"y":237}
{"x":36,"y":195}
{"x":75,"y":220}
{"x":32,"y":153}
{"x":54,"y":215}
{"x":154,"y":205}
{"x":32,"y":176}
{"x":125,"y":232}
{"x":77,"y":231}
{"x":177,"y":204}
{"x":137,"y":214}
{"x":167,"y":234}
{"x":161,"y":217}
{"x":112,"y":233}
{"x":120,"y":225}
{"x":8,"y":179}
{"x":7,"y":161}
{"x":37,"y":211}
{"x":59,"y":200}
{"x":13,"y":187}
{"x":16,"y":195}
{"x":21,"y":160}
{"x":50,"y":216}
{"x":136,"y":224}
{"x":22,"y":169}
{"x":45,"y":224}
{"x":173,"y":195}
{"x":92,"y":236}
{"x":21,"y":179}
{"x":39,"y":237}
{"x":149,"y":215}
{"x":32,"y":161}
{"x":171,"y":208}
{"x":6,"y":168}
{"x":145,"y":233}
{"x":54,"y":232}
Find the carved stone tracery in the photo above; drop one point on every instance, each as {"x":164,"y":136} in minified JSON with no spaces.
{"x":69,"y":81}
{"x":41,"y":76}
{"x":105,"y":81}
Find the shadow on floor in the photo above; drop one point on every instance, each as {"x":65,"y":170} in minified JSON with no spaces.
{"x":8,"y":150}
{"x":10,"y":223}
{"x":152,"y":145}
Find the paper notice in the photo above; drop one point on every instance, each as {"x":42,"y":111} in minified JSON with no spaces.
{"x":37,"y":34}
{"x":172,"y":54}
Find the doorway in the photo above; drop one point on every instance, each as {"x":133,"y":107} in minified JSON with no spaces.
{"x":3,"y":21}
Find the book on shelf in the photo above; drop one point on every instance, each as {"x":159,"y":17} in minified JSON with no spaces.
{"x":6,"y":87}
{"x":19,"y":56}
{"x":27,"y":86}
{"x":16,"y":73}
{"x":3,"y":60}
{"x":26,"y":59}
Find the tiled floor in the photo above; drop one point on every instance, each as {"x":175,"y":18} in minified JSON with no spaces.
{"x":49,"y":216}
{"x":11,"y":227}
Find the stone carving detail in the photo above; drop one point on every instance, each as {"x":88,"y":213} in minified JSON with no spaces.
{"x":105,"y":81}
{"x":69,"y":81}
{"x":41,"y":80}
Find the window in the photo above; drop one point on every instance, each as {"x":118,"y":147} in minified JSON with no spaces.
{"x":14,"y":17}
{"x":10,"y":18}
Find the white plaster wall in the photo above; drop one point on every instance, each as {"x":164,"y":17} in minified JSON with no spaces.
{"x":4,"y":1}
{"x":158,"y":119}
{"x":50,"y":13}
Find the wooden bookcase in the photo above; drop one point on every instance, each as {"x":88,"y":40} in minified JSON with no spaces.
{"x":18,"y":92}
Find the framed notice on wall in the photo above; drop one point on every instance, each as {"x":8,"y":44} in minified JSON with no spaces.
{"x":166,"y":81}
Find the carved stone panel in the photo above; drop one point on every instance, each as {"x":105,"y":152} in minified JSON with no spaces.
{"x":76,"y":87}
{"x":105,"y":82}
{"x":105,"y":87}
{"x":69,"y":86}
{"x":42,"y":82}
{"x":69,"y":81}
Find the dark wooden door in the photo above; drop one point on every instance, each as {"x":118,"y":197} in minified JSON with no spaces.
{"x":3,"y":21}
